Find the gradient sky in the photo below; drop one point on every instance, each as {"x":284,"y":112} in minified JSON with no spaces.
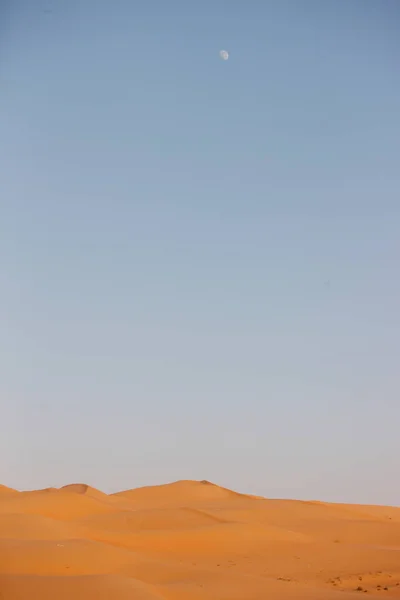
{"x":199,"y":258}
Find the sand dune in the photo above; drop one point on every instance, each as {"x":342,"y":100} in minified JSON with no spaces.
{"x":186,"y":493}
{"x":192,"y":540}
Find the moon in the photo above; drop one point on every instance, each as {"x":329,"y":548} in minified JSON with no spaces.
{"x":224,"y":54}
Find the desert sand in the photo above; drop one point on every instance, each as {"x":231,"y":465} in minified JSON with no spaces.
{"x":192,"y":540}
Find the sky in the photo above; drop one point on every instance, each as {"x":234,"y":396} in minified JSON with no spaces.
{"x":199,"y":258}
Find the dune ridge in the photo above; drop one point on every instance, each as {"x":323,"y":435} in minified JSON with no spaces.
{"x":7,"y":490}
{"x":192,"y":540}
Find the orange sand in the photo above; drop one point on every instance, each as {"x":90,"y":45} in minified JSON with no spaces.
{"x":192,"y":540}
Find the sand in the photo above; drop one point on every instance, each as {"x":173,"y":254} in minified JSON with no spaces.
{"x":192,"y":540}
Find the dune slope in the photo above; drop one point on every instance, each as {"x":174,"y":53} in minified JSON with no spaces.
{"x":192,"y":540}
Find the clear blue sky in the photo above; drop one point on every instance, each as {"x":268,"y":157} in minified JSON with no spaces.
{"x":199,"y":258}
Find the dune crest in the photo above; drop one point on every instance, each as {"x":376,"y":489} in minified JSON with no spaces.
{"x":7,"y":490}
{"x":192,"y":540}
{"x":82,"y":489}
